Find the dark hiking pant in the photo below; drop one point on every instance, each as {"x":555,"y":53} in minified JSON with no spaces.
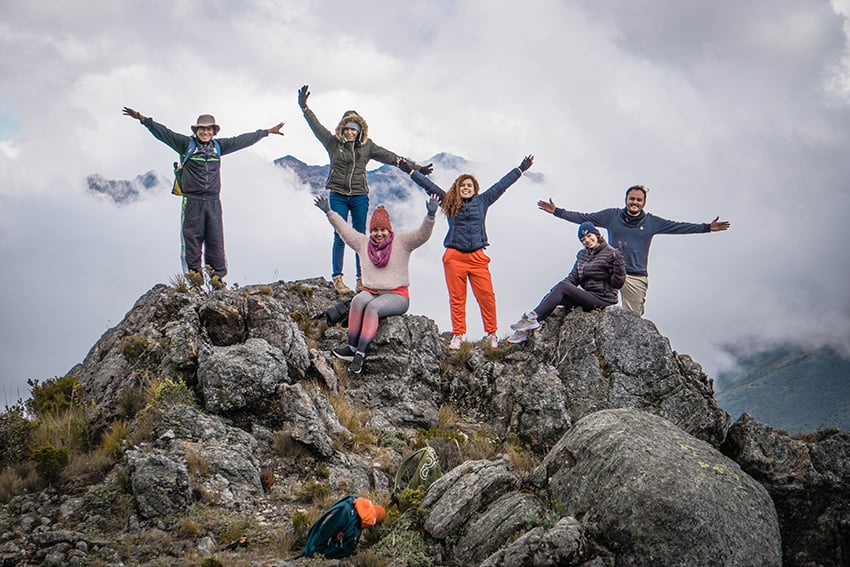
{"x":203,"y":228}
{"x":569,"y":295}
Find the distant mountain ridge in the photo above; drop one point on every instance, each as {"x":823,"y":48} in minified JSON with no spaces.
{"x":789,"y":387}
{"x":387,"y":183}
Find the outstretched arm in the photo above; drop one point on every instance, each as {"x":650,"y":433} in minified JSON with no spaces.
{"x":177,"y":142}
{"x":325,"y":136}
{"x":276,"y":129}
{"x":419,"y":177}
{"x":350,"y":236}
{"x":498,"y":189}
{"x":547,"y":206}
{"x":134,"y":114}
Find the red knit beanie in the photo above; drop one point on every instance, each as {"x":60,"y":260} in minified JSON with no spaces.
{"x":380,"y":219}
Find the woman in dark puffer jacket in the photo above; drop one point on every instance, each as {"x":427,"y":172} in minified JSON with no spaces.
{"x":593,"y":282}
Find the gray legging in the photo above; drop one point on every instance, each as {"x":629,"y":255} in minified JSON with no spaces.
{"x":569,"y":295}
{"x":365,"y":312}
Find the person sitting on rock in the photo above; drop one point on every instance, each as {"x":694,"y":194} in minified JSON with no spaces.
{"x":593,"y":282}
{"x":385,"y":276}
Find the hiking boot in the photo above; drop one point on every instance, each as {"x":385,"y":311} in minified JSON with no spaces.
{"x":340,"y":286}
{"x":356,"y":366}
{"x":217,"y":283}
{"x":345,"y":352}
{"x":518,"y":337}
{"x":457,"y":340}
{"x":359,"y":285}
{"x":526,"y":323}
{"x":195,"y":279}
{"x":492,"y":340}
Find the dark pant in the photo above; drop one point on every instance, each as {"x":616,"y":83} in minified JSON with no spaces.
{"x":569,"y":295}
{"x":358,"y":206}
{"x":202,"y":227}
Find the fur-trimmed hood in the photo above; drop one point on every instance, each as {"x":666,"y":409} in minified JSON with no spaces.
{"x":351,"y":115}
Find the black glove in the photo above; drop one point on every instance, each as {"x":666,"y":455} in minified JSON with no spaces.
{"x":526,"y":162}
{"x":432,"y":205}
{"x":404,"y":166}
{"x":323,"y":203}
{"x":303,"y":93}
{"x":426,"y":169}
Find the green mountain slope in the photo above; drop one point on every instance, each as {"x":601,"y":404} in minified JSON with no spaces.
{"x":789,"y":388}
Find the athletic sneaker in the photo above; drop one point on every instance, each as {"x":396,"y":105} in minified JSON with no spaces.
{"x":492,"y":340}
{"x":356,"y":366}
{"x":518,"y":337}
{"x":344,"y":352}
{"x":457,"y":340}
{"x":526,"y":323}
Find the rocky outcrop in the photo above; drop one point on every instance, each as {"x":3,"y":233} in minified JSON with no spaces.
{"x":653,"y":495}
{"x":623,"y":432}
{"x":809,"y":481}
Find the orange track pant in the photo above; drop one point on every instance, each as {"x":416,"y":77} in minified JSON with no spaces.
{"x":473,"y":266}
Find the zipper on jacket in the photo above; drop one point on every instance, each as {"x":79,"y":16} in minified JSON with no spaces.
{"x":353,"y":167}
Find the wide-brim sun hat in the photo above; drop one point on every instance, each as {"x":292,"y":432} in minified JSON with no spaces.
{"x":206,"y":120}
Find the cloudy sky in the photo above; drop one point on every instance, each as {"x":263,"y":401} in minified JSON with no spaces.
{"x":737,"y":109}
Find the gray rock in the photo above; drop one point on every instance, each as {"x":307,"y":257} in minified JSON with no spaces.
{"x":562,"y":544}
{"x":808,"y":481}
{"x":237,"y":376}
{"x":310,"y":419}
{"x":160,"y":485}
{"x":655,"y":495}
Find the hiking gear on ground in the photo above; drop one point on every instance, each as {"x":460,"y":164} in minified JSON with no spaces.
{"x":206,"y":120}
{"x":526,"y":162}
{"x":370,"y":514}
{"x":527,"y":322}
{"x":518,"y":337}
{"x":323,"y":204}
{"x":303,"y":93}
{"x":340,"y":286}
{"x":356,"y":366}
{"x":426,"y":473}
{"x":336,"y":313}
{"x":492,"y":340}
{"x":457,"y":340}
{"x":586,"y":228}
{"x":405,"y":167}
{"x":380,"y":219}
{"x":336,"y":533}
{"x":345,"y":352}
{"x":431,"y":206}
{"x":217,"y":283}
{"x":426,"y":169}
{"x":177,"y":187}
{"x":241,"y":542}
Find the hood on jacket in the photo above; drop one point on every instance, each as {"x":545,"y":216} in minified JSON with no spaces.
{"x":352,"y":115}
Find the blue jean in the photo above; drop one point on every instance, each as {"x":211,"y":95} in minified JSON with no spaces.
{"x":358,"y":205}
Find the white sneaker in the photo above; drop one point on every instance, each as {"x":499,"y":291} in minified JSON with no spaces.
{"x":457,"y":340}
{"x":492,"y":340}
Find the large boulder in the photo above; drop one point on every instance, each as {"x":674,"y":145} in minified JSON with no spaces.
{"x":653,"y":495}
{"x":808,"y":481}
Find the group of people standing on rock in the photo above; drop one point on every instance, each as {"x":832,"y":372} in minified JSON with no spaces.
{"x":382,"y":257}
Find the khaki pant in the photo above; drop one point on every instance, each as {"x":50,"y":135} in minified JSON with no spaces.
{"x":634,"y":293}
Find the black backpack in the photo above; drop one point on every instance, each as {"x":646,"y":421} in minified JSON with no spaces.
{"x":336,"y":533}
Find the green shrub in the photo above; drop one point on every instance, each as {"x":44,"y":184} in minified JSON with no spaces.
{"x":53,"y":396}
{"x":15,"y":431}
{"x":50,"y":461}
{"x":134,"y":347}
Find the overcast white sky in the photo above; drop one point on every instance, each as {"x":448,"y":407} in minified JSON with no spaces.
{"x":737,"y":109}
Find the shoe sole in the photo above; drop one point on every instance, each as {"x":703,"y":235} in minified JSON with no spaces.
{"x":526,"y":327}
{"x":518,"y":340}
{"x":342,"y":357}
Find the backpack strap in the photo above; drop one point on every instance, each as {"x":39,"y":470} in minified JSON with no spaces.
{"x":193,"y":147}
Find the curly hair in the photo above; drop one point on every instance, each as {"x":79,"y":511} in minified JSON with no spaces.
{"x":453,"y":201}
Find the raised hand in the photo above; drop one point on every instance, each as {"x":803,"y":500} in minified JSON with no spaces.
{"x":404,"y":165}
{"x":718,"y":225}
{"x":133,"y":113}
{"x":547,"y":206}
{"x":322,"y":202}
{"x":303,"y":93}
{"x":276,"y":129}
{"x":527,"y":161}
{"x":426,"y":169}
{"x":433,"y":204}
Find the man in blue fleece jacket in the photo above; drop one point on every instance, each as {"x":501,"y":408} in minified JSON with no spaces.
{"x":631,"y":230}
